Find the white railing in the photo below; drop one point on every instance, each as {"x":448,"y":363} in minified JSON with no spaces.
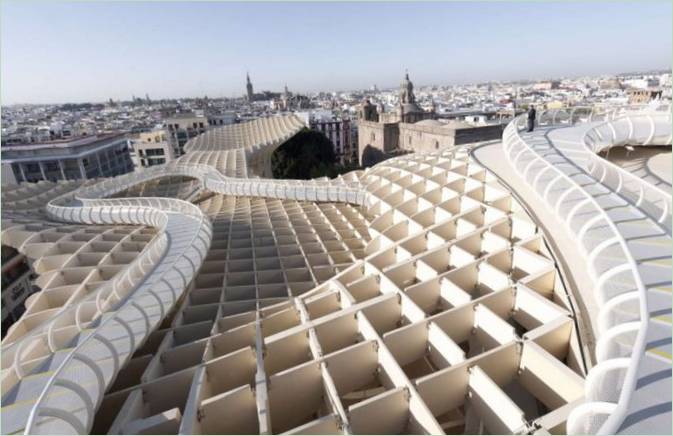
{"x":582,"y":114}
{"x":303,"y":190}
{"x":183,"y":268}
{"x":619,"y":287}
{"x":623,"y":131}
{"x":618,"y":128}
{"x":118,"y":285}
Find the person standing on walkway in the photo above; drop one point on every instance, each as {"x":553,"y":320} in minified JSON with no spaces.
{"x":531,"y":118}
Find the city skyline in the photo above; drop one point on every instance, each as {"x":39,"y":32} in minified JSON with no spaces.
{"x":335,"y":47}
{"x":336,"y":218}
{"x":388,"y":88}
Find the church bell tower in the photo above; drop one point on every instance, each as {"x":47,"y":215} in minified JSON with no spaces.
{"x":248,"y":86}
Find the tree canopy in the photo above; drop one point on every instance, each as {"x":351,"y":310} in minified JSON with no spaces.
{"x":307,"y":155}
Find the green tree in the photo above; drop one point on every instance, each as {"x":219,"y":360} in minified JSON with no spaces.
{"x":308,"y":154}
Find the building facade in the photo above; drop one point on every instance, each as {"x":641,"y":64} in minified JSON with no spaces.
{"x":221,"y":119}
{"x":642,"y":96}
{"x":82,"y":158}
{"x":547,"y":85}
{"x":376,"y":140}
{"x":431,"y":135}
{"x":339,"y":130}
{"x":379,"y":131}
{"x":409,"y":128}
{"x":180,"y":128}
{"x":152,"y":148}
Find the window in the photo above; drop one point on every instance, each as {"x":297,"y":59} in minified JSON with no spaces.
{"x":409,"y":140}
{"x":154,"y":152}
{"x":17,"y":172}
{"x":373,"y":136}
{"x":436,"y":144}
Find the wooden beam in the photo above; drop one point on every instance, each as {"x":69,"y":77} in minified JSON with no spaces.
{"x":549,"y":380}
{"x":497,"y":411}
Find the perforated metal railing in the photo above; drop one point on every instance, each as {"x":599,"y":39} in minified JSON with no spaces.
{"x":619,"y":289}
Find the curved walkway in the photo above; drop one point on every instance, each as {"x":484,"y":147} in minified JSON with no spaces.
{"x":652,"y":164}
{"x":628,"y":253}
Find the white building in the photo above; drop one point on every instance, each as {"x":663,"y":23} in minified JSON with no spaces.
{"x":151,"y":148}
{"x":340,"y":131}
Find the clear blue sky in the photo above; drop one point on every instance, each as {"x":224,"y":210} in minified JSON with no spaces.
{"x":59,"y":52}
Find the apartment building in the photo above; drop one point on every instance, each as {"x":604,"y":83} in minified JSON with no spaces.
{"x":152,"y":148}
{"x":180,"y":128}
{"x":339,"y":130}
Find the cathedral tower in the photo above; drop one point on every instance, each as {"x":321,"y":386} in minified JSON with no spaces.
{"x":248,"y":87}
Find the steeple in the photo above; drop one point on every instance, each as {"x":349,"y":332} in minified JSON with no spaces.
{"x":248,"y":86}
{"x":407,"y":90}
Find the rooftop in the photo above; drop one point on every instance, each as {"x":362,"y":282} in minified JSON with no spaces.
{"x":65,"y":143}
{"x":58,"y":149}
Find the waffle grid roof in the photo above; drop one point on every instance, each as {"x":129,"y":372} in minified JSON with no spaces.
{"x":424,"y":300}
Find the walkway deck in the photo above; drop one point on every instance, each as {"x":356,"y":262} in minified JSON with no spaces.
{"x":650,"y":246}
{"x":652,"y":164}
